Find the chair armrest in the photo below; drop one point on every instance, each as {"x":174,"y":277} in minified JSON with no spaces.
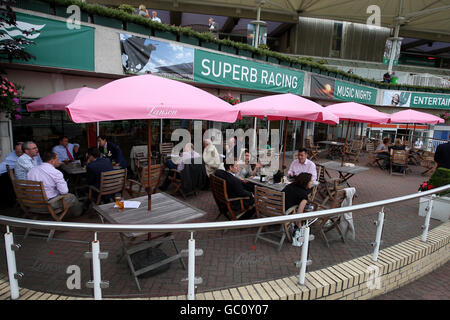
{"x":239,"y":198}
{"x":94,"y":188}
{"x":292,"y":209}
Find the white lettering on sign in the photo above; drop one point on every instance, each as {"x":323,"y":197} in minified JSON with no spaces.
{"x":162,"y":112}
{"x":434,"y":101}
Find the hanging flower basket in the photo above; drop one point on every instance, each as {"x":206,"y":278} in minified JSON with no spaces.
{"x":230,"y":99}
{"x":9,"y":98}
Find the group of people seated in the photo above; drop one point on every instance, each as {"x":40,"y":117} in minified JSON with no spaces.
{"x":28,"y":165}
{"x":385,"y":150}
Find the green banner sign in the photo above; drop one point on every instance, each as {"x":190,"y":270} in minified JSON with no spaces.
{"x":56,"y":43}
{"x":351,"y":92}
{"x":241,"y":73}
{"x":429,"y":100}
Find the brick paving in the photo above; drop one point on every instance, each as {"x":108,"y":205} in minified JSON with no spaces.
{"x":231,"y":258}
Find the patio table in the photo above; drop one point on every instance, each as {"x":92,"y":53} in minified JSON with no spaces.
{"x":334,"y":148}
{"x":74,"y":171}
{"x":165,"y":210}
{"x":345,"y":172}
{"x":275,"y":186}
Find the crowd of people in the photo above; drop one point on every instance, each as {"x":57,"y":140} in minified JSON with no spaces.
{"x":27,"y":164}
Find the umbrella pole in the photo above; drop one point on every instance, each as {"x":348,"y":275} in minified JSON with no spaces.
{"x":284,"y":144}
{"x":302,"y":129}
{"x":407,"y":135}
{"x":414,"y":132}
{"x":345,"y":144}
{"x":149,"y":164}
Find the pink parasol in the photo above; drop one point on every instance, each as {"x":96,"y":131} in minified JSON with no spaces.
{"x":413,"y":116}
{"x":286,"y":106}
{"x":352,"y":111}
{"x":58,"y":100}
{"x":150,"y":97}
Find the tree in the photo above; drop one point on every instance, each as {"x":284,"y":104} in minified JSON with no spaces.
{"x":12,"y":48}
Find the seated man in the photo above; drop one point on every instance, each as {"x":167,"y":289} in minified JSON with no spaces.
{"x":94,"y":168}
{"x":27,"y":161}
{"x":66,"y":150}
{"x":211,"y":157}
{"x":187,"y":156}
{"x":303,"y":164}
{"x":7,"y":194}
{"x":235,"y":187}
{"x":111,"y":151}
{"x":54,"y":183}
{"x":382,"y":153}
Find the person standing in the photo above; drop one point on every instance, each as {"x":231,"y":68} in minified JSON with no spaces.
{"x":94,"y":168}
{"x":303,"y":164}
{"x":143,"y":11}
{"x":66,"y":150}
{"x":54,"y":183}
{"x":155,"y":17}
{"x":112,"y":151}
{"x":442,"y":155}
{"x":27,"y":160}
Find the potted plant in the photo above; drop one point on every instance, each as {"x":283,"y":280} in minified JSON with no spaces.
{"x":441,"y":204}
{"x":230,"y":99}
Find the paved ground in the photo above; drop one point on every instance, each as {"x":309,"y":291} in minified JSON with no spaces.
{"x":231,"y":258}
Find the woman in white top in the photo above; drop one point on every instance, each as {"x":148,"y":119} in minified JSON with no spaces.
{"x":211,"y":157}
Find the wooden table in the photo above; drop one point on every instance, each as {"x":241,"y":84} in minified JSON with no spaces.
{"x":75,"y":173}
{"x":165,"y":209}
{"x":345,"y":172}
{"x":275,"y":186}
{"x":334,"y":149}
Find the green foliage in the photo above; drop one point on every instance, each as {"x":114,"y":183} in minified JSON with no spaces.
{"x":126,"y":8}
{"x":263,"y":46}
{"x":440,"y":177}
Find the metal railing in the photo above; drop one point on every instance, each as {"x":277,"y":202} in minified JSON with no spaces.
{"x":96,"y":255}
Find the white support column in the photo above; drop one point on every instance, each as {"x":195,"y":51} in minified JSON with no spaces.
{"x":191,"y":268}
{"x":11,"y":260}
{"x":427,"y":218}
{"x":377,"y":242}
{"x":96,"y":269}
{"x":304,"y":257}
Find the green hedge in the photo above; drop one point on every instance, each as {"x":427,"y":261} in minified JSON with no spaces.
{"x":205,"y":38}
{"x":440,"y":177}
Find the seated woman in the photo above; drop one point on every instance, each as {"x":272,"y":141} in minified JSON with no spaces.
{"x":296,"y":193}
{"x":246,"y":169}
{"x":398,"y":145}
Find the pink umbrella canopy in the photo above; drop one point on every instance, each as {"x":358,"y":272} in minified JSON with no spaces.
{"x":351,"y":111}
{"x":413,"y":116}
{"x":58,"y":100}
{"x":287,"y":105}
{"x":150,"y":97}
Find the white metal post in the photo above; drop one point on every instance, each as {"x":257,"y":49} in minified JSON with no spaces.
{"x":427,"y":218}
{"x":96,"y":269}
{"x":258,"y":16}
{"x":304,"y":257}
{"x":378,"y":235}
{"x":191,"y":269}
{"x":12,"y":268}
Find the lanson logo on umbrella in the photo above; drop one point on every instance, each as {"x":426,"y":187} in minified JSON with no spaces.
{"x":162,"y":111}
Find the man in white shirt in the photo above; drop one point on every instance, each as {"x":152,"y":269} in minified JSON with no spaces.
{"x":27,"y":160}
{"x":54,"y":183}
{"x":66,"y":150}
{"x":303,"y":164}
{"x":154,"y":17}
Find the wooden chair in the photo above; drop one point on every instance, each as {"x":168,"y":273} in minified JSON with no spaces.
{"x":330,"y":222}
{"x":327,"y":187}
{"x":371,"y":155}
{"x":111,"y":182}
{"x":315,"y":188}
{"x":427,"y":162}
{"x":220,"y":194}
{"x":164,"y":150}
{"x":312,"y":150}
{"x":135,"y":187}
{"x":398,"y":158}
{"x":353,"y":153}
{"x":33,"y":201}
{"x":270,"y":203}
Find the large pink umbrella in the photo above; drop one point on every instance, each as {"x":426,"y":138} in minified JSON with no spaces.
{"x":58,"y":100}
{"x":286,"y":106}
{"x":150,"y":97}
{"x":352,"y":111}
{"x":413,"y":116}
